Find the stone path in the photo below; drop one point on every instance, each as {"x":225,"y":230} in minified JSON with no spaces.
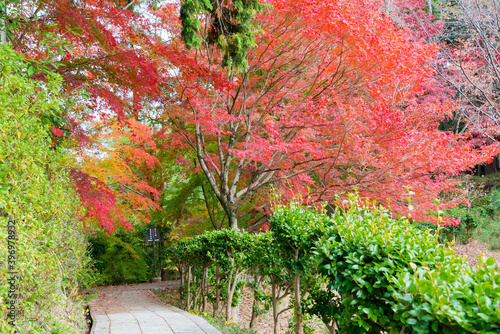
{"x":134,"y":309}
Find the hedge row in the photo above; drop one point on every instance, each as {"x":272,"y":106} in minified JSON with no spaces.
{"x":359,"y":270}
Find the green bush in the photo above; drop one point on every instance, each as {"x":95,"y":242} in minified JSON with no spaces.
{"x":35,"y":195}
{"x":386,"y":275}
{"x":364,"y":248}
{"x":125,"y":256}
{"x":213,"y":266}
{"x":117,"y":261}
{"x":359,"y":269}
{"x":296,"y":229}
{"x":449,"y":298}
{"x":137,"y":238}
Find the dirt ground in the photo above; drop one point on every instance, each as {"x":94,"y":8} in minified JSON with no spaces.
{"x":474,"y":249}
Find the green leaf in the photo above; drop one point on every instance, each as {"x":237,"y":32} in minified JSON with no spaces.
{"x":31,"y":70}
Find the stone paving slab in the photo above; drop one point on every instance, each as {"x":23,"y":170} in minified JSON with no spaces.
{"x":134,"y":309}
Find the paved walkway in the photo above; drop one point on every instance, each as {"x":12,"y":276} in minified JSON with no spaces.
{"x":134,"y":309}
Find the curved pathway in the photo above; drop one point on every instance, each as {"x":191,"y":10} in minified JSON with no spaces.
{"x":134,"y":309}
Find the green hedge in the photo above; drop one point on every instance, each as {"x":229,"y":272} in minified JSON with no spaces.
{"x":359,"y":269}
{"x":47,"y":243}
{"x":212,"y":269}
{"x":359,"y":254}
{"x":450,"y":298}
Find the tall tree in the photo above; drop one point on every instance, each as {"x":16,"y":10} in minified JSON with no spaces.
{"x":103,"y":49}
{"x":330,"y":101}
{"x":468,"y":64}
{"x":114,"y":51}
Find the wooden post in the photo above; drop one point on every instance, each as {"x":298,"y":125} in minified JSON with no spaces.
{"x":154,"y":259}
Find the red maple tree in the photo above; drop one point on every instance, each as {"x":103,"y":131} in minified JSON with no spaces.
{"x":102,"y":48}
{"x":109,"y":174}
{"x":331,"y":101}
{"x":333,"y":98}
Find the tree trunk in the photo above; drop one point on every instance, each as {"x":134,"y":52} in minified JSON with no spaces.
{"x":218,"y":276}
{"x":253,"y":319}
{"x":200,"y":295}
{"x":205,"y":289}
{"x":234,"y":277}
{"x":229,"y":293}
{"x":188,"y":302}
{"x":330,"y":325}
{"x":182,"y":273}
{"x":233,"y":218}
{"x":257,"y":280}
{"x":299,"y":326}
{"x":276,"y":308}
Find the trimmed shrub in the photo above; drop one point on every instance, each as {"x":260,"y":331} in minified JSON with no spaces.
{"x":359,"y":269}
{"x":296,"y":229}
{"x":449,"y":298}
{"x":363,"y":248}
{"x":213,"y":265}
{"x":386,"y":275}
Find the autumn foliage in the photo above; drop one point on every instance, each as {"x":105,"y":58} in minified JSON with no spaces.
{"x":333,"y":99}
{"x":332,"y":96}
{"x":100,"y":45}
{"x":100,"y":48}
{"x":108,"y":176}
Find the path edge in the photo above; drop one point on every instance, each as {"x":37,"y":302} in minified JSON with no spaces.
{"x":201,"y":322}
{"x":92,"y":320}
